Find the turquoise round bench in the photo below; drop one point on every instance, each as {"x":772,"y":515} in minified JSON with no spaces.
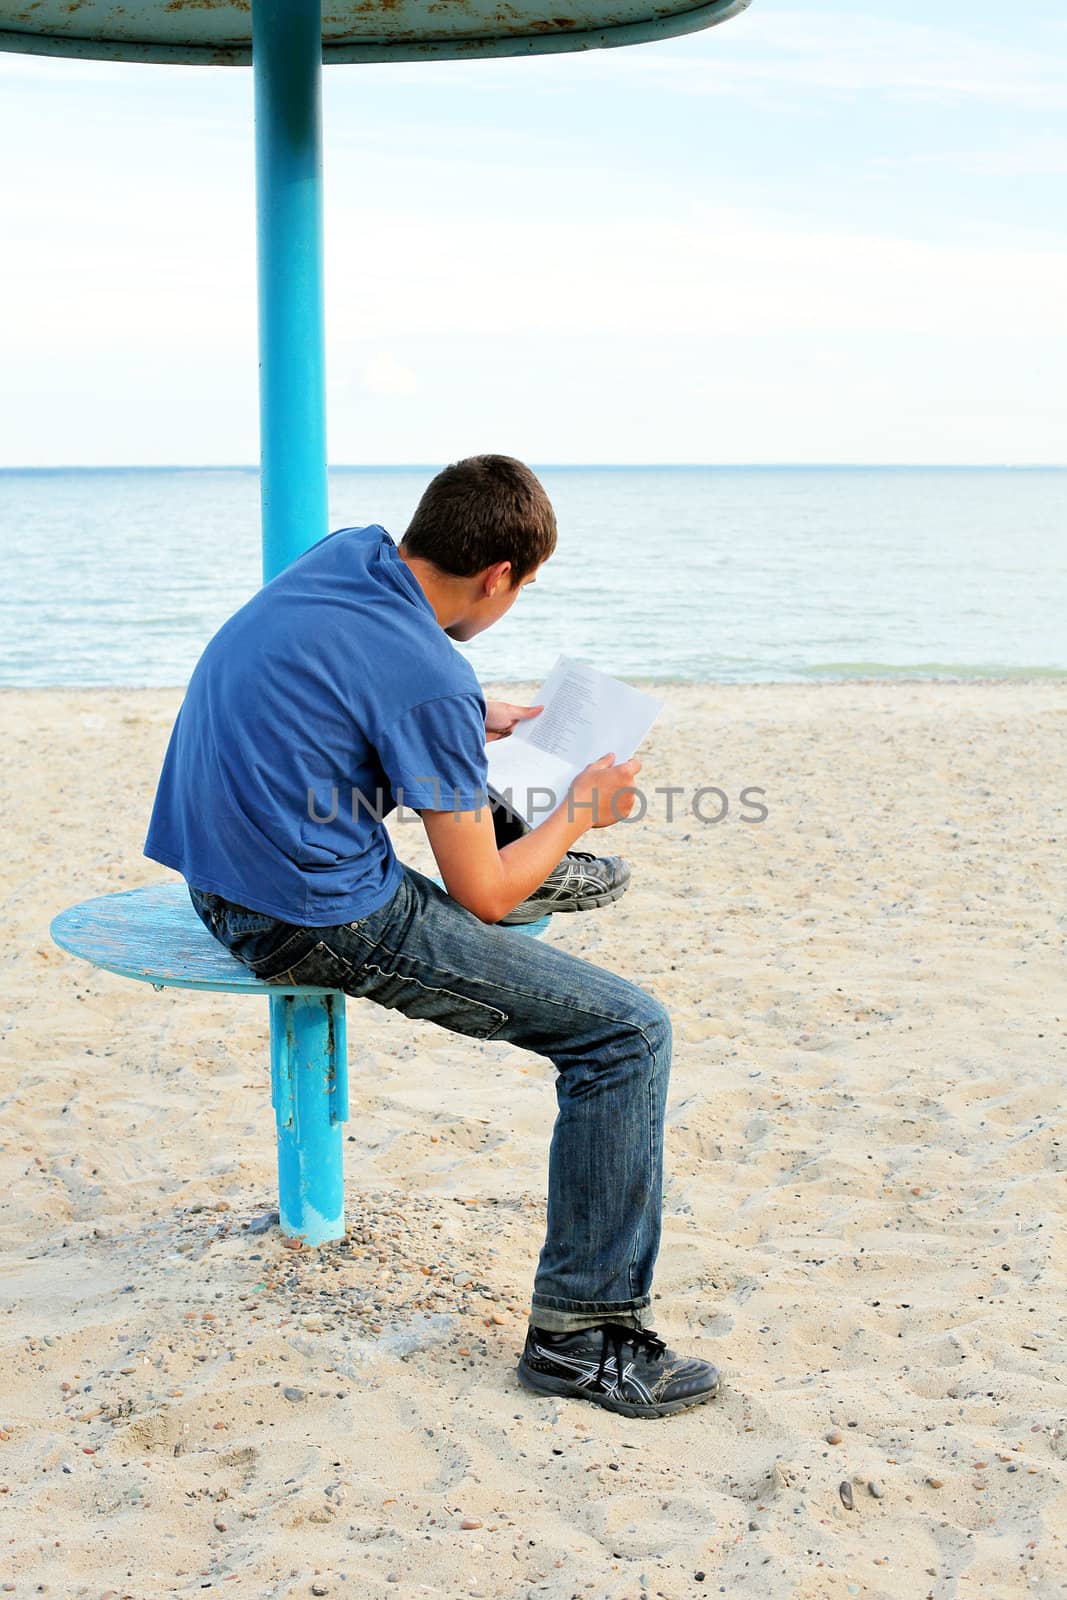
{"x":154,"y":936}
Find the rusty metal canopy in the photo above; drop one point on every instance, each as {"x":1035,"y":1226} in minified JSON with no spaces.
{"x":219,"y":32}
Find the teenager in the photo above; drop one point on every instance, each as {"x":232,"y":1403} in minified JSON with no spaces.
{"x":337,"y":693}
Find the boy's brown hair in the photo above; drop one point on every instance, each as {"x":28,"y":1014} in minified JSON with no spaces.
{"x":479,"y":511}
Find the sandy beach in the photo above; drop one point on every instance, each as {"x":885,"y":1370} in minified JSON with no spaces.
{"x":862,"y":1223}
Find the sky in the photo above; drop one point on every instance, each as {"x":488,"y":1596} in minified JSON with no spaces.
{"x":813,"y":234}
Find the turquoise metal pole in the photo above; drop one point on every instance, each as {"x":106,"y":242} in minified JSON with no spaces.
{"x":308,"y":1064}
{"x":287,"y":68}
{"x":309,"y":1092}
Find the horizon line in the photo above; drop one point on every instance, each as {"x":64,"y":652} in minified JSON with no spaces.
{"x":572,"y":466}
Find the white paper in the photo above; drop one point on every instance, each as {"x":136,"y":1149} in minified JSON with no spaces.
{"x":586,"y":715}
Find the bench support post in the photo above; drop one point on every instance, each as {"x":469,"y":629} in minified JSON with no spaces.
{"x":309,"y":1092}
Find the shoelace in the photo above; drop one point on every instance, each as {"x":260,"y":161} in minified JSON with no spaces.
{"x":563,"y":867}
{"x":558,"y":875}
{"x":618,"y":1334}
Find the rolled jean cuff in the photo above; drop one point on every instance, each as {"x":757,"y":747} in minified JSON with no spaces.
{"x":589,"y":1314}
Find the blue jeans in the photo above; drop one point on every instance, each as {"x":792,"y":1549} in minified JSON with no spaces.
{"x":610,"y":1043}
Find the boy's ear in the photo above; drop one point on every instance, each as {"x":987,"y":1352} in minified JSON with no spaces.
{"x":498,"y":573}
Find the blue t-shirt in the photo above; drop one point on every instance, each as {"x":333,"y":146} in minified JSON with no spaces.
{"x":331,"y":697}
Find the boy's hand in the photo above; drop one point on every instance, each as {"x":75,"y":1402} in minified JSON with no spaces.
{"x":501,"y":718}
{"x":600,"y":784}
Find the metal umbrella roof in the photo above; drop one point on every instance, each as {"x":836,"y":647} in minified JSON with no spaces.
{"x":219,"y":32}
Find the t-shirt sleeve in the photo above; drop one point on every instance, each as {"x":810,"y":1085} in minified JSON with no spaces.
{"x":434,"y":755}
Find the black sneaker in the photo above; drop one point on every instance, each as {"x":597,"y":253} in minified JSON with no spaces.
{"x":654,"y":1381}
{"x":581,"y":882}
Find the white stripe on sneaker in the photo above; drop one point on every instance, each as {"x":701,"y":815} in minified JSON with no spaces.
{"x":586,"y":1373}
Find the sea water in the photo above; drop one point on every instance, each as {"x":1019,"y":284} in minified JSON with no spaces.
{"x":670,"y":573}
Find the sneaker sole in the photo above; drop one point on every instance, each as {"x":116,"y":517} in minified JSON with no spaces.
{"x":542,"y":1383}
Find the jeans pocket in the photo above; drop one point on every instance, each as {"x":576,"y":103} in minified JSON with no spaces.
{"x":304,"y":962}
{"x":253,"y":937}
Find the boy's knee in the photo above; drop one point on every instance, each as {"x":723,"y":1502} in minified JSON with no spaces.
{"x":652,"y":1018}
{"x":658,"y":1027}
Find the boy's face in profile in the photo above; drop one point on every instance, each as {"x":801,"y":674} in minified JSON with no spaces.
{"x":488,"y":608}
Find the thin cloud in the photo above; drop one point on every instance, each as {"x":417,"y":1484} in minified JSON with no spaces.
{"x":769,"y":52}
{"x":820,"y":51}
{"x":1019,"y":158}
{"x":383,"y":374}
{"x":721,"y":272}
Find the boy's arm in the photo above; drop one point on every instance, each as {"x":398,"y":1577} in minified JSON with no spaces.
{"x":491,"y":882}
